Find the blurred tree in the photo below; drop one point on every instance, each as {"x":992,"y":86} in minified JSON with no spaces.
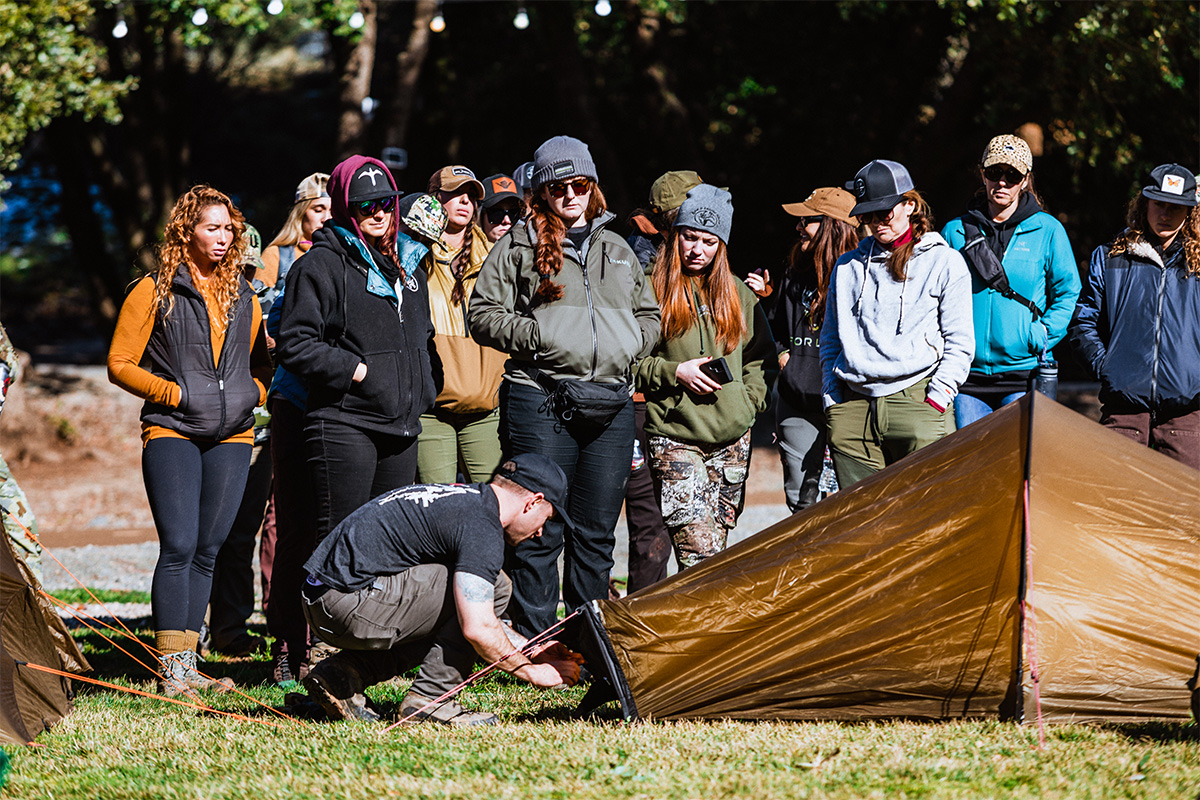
{"x":50,"y":68}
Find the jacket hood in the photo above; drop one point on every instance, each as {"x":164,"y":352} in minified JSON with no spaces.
{"x":977,"y":208}
{"x":339,"y":190}
{"x":868,"y":247}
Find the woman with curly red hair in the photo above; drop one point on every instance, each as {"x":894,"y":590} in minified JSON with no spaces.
{"x":704,"y":381}
{"x":565,"y":297}
{"x":187,"y":339}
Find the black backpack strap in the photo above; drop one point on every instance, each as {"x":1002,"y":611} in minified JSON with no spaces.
{"x":984,"y":263}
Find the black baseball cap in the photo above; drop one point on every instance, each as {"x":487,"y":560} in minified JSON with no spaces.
{"x":371,"y":181}
{"x":879,"y":186}
{"x":537,"y":473}
{"x":498,"y":188}
{"x":1171,"y":183}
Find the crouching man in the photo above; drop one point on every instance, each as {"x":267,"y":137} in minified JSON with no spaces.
{"x":413,"y":577}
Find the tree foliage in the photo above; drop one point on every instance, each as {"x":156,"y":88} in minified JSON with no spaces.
{"x":51,"y":67}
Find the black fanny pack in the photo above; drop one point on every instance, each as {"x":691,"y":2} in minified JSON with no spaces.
{"x":989,"y":268}
{"x":583,"y":401}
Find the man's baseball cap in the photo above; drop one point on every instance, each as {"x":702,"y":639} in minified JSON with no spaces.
{"x":828,"y":201}
{"x":453,"y":178}
{"x":1171,"y":183}
{"x":498,"y":188}
{"x":537,"y":473}
{"x":313,"y":187}
{"x":669,"y":190}
{"x":370,"y":182}
{"x":879,"y":186}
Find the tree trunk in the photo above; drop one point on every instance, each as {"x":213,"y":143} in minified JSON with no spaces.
{"x":355,"y":83}
{"x":409,"y":63}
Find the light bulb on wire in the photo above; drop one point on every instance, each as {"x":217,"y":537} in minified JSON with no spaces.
{"x":120,"y":29}
{"x":603,"y":8}
{"x":521,"y":20}
{"x":438,"y":23}
{"x":275,"y":7}
{"x":200,"y":17}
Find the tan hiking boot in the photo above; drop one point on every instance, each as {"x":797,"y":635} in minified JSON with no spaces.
{"x":337,"y":688}
{"x":193,"y":678}
{"x":447,"y":712}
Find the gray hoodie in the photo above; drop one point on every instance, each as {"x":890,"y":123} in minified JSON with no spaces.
{"x":881,"y":336}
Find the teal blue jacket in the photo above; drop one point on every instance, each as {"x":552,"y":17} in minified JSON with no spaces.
{"x":1040,"y":265}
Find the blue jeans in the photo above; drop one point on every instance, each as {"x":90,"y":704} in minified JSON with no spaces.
{"x":968,"y":409}
{"x":596,"y":462}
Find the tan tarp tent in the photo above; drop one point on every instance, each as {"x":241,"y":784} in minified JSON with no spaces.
{"x":31,"y":633}
{"x":901,"y":597}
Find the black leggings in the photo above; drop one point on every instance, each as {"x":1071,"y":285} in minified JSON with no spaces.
{"x":194,"y":489}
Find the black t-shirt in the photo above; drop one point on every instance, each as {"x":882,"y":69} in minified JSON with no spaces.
{"x":455,"y":525}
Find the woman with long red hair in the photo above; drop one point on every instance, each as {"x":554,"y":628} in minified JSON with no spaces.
{"x":704,"y":381}
{"x":186,"y":341}
{"x":565,"y":297}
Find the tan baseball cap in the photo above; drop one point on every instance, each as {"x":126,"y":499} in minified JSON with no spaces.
{"x":828,"y":201}
{"x":313,"y":187}
{"x":453,"y":178}
{"x":1010,"y":150}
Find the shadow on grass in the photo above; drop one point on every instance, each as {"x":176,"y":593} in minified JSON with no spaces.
{"x":1157,"y":732}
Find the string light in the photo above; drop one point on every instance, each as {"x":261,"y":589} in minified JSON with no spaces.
{"x":603,"y":8}
{"x":275,"y":7}
{"x":120,"y":29}
{"x":521,"y":20}
{"x":200,"y":17}
{"x":357,"y":20}
{"x":438,"y":23}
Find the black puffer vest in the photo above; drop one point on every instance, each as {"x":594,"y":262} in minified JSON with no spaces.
{"x":215,"y":402}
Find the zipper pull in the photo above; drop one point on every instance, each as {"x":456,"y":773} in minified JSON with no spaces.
{"x":221,"y":384}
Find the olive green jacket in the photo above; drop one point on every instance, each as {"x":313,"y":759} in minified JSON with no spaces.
{"x":674,"y":411}
{"x":605,"y":321}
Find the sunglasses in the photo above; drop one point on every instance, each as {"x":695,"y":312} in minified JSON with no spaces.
{"x":579,"y":186}
{"x":367,"y":208}
{"x":806,"y":221}
{"x":499,"y":215}
{"x":876,"y":217}
{"x":997,"y":173}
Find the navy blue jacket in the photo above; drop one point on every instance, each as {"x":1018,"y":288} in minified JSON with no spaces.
{"x":1137,"y":327}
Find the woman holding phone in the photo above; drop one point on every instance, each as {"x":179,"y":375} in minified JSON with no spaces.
{"x":704,"y":381}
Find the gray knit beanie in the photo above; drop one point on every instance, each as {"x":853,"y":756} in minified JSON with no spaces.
{"x":707,"y":208}
{"x":560,"y":159}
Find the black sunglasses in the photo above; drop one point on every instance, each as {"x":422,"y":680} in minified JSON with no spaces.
{"x":998,"y":172}
{"x":368,"y":207}
{"x":874,"y":217}
{"x":806,"y":221}
{"x":498,"y":214}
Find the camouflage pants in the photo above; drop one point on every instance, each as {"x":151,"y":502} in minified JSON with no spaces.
{"x":701,"y":489}
{"x":19,"y":522}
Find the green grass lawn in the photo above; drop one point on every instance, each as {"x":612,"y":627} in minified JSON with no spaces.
{"x":117,"y":745}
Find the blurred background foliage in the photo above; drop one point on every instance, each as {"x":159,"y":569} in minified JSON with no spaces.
{"x":111,"y":109}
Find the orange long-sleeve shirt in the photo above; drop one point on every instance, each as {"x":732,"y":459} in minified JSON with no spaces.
{"x":134,"y":326}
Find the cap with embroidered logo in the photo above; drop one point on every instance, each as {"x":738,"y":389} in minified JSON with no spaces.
{"x":371,"y":181}
{"x":1012,"y":151}
{"x":879,"y":186}
{"x":1171,"y":183}
{"x":453,"y":178}
{"x":498,"y":188}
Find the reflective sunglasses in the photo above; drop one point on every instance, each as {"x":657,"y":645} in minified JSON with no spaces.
{"x":999,"y":172}
{"x":578,"y":185}
{"x":367,"y":208}
{"x":500,"y":214}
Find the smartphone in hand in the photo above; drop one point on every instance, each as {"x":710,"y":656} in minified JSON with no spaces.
{"x":718,"y":370}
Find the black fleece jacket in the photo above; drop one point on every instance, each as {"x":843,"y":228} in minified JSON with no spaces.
{"x":331,"y":322}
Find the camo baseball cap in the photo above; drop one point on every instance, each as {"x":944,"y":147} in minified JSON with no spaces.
{"x":426,"y":216}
